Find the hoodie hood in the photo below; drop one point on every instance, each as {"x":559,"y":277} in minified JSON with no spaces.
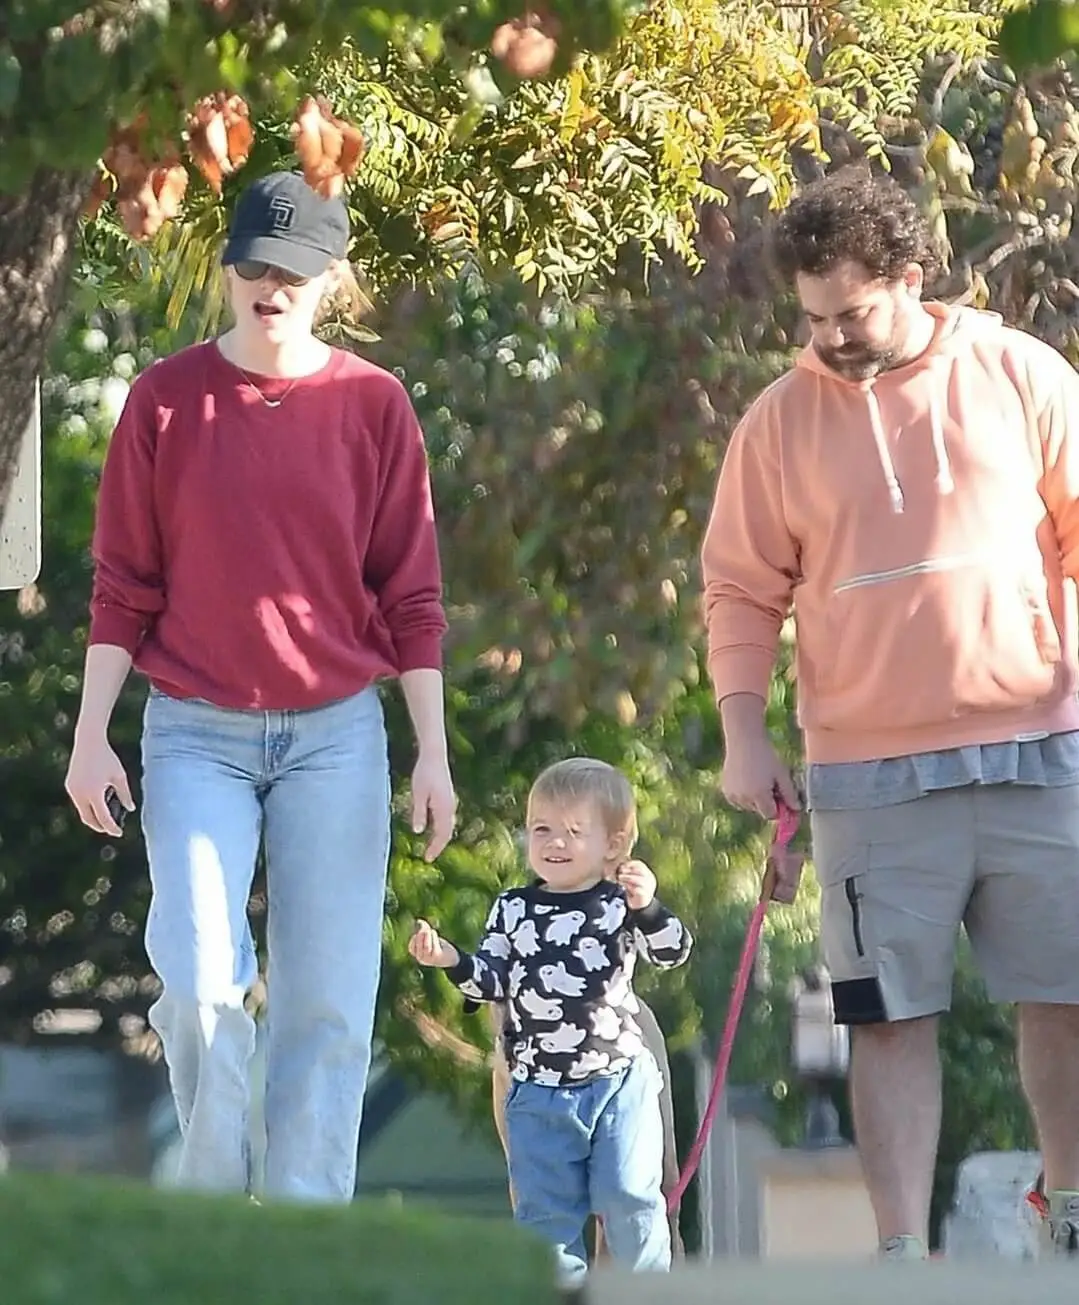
{"x":953,"y":327}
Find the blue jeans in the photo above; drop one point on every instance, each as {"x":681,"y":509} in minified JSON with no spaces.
{"x":597,"y":1148}
{"x":313,"y":786}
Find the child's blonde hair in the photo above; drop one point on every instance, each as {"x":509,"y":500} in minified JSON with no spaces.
{"x":584,"y":779}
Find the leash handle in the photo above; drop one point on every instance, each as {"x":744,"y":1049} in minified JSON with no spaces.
{"x":787,"y":822}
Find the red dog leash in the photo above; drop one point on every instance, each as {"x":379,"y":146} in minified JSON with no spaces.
{"x":786,"y":827}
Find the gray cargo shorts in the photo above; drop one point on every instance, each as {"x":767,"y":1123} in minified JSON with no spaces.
{"x":897,"y":882}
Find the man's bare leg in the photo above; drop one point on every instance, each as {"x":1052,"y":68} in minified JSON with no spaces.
{"x":1049,"y":1068}
{"x":895,"y":1099}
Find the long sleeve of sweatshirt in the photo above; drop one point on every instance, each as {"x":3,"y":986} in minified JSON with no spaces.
{"x":1055,"y":389}
{"x":749,"y":560}
{"x":483,"y":975}
{"x":402,"y":562}
{"x":663,"y":939}
{"x":129,"y":582}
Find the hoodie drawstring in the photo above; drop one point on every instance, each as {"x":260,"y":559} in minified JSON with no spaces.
{"x":895,"y":490}
{"x":945,"y":481}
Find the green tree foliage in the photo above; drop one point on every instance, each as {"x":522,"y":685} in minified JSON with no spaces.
{"x":554,"y":176}
{"x":74,"y":73}
{"x":576,"y":449}
{"x":71,"y":69}
{"x":1000,"y":171}
{"x":71,"y":908}
{"x":1039,"y":33}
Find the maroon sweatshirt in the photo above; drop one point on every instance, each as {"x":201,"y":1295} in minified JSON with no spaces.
{"x":267,"y":558}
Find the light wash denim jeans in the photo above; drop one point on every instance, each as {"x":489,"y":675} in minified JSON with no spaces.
{"x":597,"y":1148}
{"x":314,"y":786}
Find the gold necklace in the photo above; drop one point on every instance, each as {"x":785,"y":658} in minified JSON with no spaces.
{"x":270,"y":403}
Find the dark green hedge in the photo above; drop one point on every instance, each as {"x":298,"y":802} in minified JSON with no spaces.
{"x":77,"y":1242}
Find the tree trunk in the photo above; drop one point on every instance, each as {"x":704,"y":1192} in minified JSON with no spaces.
{"x":38,"y":233}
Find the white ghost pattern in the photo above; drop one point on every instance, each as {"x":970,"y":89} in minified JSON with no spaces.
{"x":526,"y":1056}
{"x":556,"y":978}
{"x":592,"y":954}
{"x":568,"y":1037}
{"x":629,"y":1044}
{"x":605,"y":1023}
{"x":513,"y":912}
{"x":497,"y":944}
{"x":520,"y":1072}
{"x":547,"y":1078}
{"x":472,"y":989}
{"x":543,"y":908}
{"x":526,"y":940}
{"x":516,"y":977}
{"x":669,"y":938}
{"x":613,"y":915}
{"x":540,"y":1008}
{"x":590,"y":1063}
{"x":564,"y":928}
{"x":619,"y":990}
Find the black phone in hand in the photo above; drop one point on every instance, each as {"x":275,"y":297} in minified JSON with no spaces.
{"x":116,"y":808}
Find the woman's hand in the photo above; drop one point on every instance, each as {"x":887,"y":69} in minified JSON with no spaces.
{"x":434,"y":803}
{"x":94,"y":768}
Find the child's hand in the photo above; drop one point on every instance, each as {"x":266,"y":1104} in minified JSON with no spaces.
{"x":427,"y":948}
{"x":639,"y":883}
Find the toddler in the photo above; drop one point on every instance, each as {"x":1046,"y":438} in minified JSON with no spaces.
{"x":583,"y":1118}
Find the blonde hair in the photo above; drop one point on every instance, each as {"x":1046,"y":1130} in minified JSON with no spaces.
{"x":345,"y":305}
{"x":343,"y":308}
{"x":584,"y":779}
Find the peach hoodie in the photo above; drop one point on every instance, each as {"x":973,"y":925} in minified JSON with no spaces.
{"x":926,"y":527}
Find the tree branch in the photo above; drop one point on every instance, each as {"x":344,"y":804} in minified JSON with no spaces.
{"x":439,"y":1038}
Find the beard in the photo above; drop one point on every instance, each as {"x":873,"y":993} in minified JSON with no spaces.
{"x":861,"y":362}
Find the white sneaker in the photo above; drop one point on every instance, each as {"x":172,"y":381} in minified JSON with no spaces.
{"x":903,"y":1248}
{"x":1063,"y":1223}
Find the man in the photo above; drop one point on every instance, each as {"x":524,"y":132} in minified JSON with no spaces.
{"x":910,"y":486}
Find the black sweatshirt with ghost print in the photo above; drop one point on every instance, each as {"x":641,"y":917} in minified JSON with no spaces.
{"x":562,"y":964}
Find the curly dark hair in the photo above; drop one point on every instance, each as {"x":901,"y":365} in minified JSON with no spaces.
{"x":852,"y":216}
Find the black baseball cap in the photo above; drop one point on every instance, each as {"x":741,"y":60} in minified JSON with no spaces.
{"x":279,"y":219}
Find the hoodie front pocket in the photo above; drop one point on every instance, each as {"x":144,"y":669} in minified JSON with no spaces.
{"x":925,"y":643}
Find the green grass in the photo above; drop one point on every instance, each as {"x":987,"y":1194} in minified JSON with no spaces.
{"x":66,"y":1241}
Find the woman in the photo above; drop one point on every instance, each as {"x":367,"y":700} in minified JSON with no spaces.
{"x":265,"y":553}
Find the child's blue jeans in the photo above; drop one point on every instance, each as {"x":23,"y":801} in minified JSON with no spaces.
{"x":592,"y":1149}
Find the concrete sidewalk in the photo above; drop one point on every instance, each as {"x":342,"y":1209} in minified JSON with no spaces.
{"x":993,"y":1282}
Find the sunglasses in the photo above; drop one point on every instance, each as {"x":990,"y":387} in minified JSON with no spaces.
{"x":249,"y":270}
